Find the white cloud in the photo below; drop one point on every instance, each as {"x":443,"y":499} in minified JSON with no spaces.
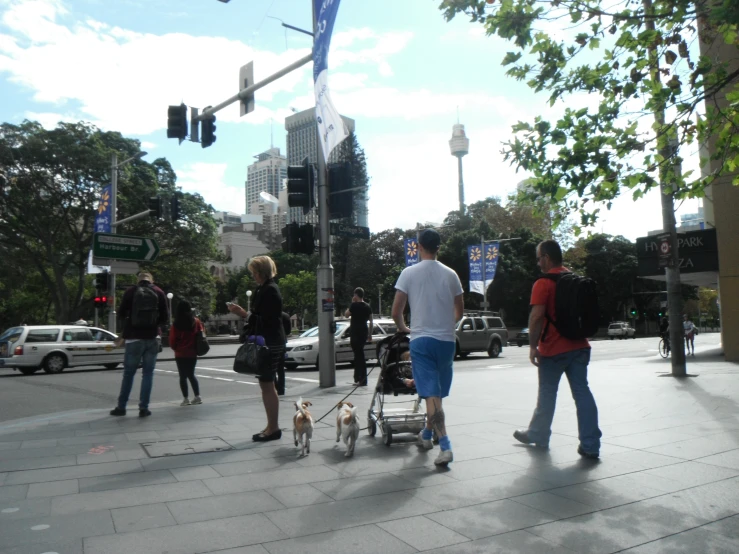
{"x":209,"y":180}
{"x":135,"y":74}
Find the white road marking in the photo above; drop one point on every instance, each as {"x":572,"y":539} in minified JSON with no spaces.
{"x":231,"y":371}
{"x":223,"y":379}
{"x":209,"y":377}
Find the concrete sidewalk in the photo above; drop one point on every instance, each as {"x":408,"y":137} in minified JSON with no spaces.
{"x":668,"y":479}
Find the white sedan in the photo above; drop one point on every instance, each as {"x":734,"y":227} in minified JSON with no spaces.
{"x":304,"y":349}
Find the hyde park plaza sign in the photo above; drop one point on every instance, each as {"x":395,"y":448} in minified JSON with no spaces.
{"x":697,"y":253}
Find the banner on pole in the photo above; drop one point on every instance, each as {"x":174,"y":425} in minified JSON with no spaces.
{"x":476,"y":259}
{"x":103,"y":216}
{"x":411,"y":252}
{"x":330,"y":125}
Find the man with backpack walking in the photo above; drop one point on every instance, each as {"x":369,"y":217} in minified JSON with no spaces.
{"x":143,"y":309}
{"x":564,"y":312}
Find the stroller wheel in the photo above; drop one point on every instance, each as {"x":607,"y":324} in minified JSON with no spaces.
{"x":371,"y":426}
{"x":388,"y":436}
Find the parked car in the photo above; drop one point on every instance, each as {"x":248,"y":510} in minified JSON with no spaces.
{"x":621,"y":330}
{"x":56,"y":347}
{"x":303,"y":350}
{"x":522,"y":337}
{"x":481,"y":332}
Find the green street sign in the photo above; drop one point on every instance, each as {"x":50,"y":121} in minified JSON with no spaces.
{"x":124,"y":247}
{"x":353,"y":231}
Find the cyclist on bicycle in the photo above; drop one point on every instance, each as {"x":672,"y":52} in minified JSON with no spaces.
{"x":664,"y":332}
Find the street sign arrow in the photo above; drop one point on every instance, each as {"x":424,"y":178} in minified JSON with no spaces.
{"x":124,"y":247}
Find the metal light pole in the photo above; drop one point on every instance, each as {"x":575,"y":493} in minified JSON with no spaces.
{"x":170,"y":296}
{"x":114,"y":165}
{"x":379,"y":300}
{"x":248,"y":301}
{"x":325,"y":273}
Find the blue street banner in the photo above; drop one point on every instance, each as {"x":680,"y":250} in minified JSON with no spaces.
{"x":330,"y":125}
{"x":475,"y":258}
{"x":103,"y":215}
{"x":411,"y":251}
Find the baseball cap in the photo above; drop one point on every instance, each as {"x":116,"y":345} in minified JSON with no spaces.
{"x":429,"y":239}
{"x":145,"y":276}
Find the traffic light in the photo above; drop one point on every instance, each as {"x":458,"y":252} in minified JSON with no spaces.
{"x":175,"y":205}
{"x":633,"y":313}
{"x":101,"y":281}
{"x":101,"y":301}
{"x":177,"y":122}
{"x":306,"y":244}
{"x":301,"y":186}
{"x":291,"y":235}
{"x":155,"y":207}
{"x":208,"y":135}
{"x":660,"y":314}
{"x":341,"y":199}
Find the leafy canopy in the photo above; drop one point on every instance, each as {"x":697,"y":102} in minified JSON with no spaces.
{"x":638,"y":59}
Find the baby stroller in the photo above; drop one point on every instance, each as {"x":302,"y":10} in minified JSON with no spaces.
{"x":392,"y":417}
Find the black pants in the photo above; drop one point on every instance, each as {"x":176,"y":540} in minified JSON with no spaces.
{"x":360,"y":364}
{"x":186,"y":369}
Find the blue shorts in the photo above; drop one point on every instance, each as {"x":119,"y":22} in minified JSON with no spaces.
{"x":432,"y":361}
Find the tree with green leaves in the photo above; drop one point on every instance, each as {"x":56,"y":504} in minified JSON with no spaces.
{"x":299,"y":294}
{"x":48,"y":206}
{"x":635,"y":59}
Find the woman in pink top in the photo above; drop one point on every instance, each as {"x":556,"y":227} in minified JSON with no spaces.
{"x":182,"y":340}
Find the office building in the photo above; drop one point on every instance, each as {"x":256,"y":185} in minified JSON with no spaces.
{"x":266,"y":174}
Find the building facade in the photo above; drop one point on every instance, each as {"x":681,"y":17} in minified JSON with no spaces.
{"x":301,"y":144}
{"x":266,"y":174}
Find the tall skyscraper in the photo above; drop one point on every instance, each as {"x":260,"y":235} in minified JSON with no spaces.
{"x":459,"y":146}
{"x":266,"y":174}
{"x":301,"y":143}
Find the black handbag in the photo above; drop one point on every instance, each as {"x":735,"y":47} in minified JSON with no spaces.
{"x":253,"y":359}
{"x":202,"y":346}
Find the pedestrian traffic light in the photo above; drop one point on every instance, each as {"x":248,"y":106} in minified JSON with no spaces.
{"x":301,"y":186}
{"x":208,"y":135}
{"x":177,"y":122}
{"x":155,"y":207}
{"x":175,"y":205}
{"x":291,"y":234}
{"x":101,"y":301}
{"x":341,"y":197}
{"x":307,"y":244}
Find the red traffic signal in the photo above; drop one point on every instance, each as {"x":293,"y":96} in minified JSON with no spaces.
{"x":101,"y":301}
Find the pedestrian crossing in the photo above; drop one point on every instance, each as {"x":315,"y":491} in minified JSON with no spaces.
{"x":203,"y":372}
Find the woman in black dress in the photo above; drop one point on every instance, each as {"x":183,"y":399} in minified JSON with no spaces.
{"x":265,"y":319}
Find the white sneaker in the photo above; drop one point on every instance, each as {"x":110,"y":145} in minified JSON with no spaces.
{"x":445,"y":457}
{"x":196,"y":400}
{"x":426,"y":444}
{"x":185,"y":402}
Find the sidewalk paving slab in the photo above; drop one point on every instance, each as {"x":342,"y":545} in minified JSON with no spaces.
{"x":667,"y":481}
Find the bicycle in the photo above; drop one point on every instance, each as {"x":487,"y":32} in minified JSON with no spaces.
{"x":664,"y":347}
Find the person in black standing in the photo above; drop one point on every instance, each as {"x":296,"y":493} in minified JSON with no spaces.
{"x":360,"y":313}
{"x":265,"y":319}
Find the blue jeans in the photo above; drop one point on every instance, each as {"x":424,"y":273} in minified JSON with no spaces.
{"x":575,"y":365}
{"x":146,"y":349}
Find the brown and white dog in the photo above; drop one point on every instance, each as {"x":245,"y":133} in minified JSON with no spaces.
{"x":347,"y":426}
{"x":303,"y":426}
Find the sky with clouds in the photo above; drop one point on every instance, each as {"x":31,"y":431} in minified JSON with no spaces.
{"x":395,"y":67}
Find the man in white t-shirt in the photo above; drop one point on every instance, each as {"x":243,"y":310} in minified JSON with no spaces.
{"x":434,"y":293}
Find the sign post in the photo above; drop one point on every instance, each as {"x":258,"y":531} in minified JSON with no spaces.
{"x":124,"y":247}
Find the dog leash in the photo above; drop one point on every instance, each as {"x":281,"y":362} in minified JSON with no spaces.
{"x":348,"y":395}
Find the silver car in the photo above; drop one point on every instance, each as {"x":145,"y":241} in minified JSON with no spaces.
{"x":303,"y":350}
{"x":56,"y":347}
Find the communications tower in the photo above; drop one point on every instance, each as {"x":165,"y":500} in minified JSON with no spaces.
{"x":459,"y":146}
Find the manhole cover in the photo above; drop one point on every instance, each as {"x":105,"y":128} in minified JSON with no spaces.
{"x":178,"y":447}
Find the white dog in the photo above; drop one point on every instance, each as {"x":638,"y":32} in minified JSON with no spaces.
{"x":347,"y":426}
{"x":302,"y":426}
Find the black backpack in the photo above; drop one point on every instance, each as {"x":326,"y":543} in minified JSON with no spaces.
{"x":576,"y":305}
{"x":145,"y":311}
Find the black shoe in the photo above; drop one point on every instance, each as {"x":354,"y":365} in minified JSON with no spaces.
{"x":144,"y":412}
{"x":588,"y":455}
{"x":261,"y":437}
{"x":117,"y":411}
{"x":523,"y":436}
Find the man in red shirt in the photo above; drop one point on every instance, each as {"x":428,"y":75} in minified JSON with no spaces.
{"x":554,"y":355}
